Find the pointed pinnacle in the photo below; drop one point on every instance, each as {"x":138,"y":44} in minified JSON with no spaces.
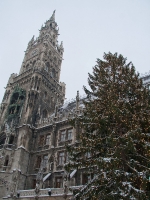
{"x":53,"y":16}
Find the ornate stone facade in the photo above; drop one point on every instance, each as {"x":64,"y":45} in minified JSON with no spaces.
{"x":34,"y":121}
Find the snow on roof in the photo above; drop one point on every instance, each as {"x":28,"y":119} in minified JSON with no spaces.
{"x":73,"y":173}
{"x":45,"y":177}
{"x":107,"y":159}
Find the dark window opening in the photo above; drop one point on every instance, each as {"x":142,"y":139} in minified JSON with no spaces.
{"x":11,"y":139}
{"x":38,"y":162}
{"x":12,"y":110}
{"x":14,"y":98}
{"x":34,"y":183}
{"x":6,"y":161}
{"x":21,"y":97}
{"x":16,"y":95}
{"x":12,"y":101}
{"x":30,"y":105}
{"x":86,"y":178}
{"x":41,"y":141}
{"x":45,"y":95}
{"x":32,"y":94}
{"x":2,"y":140}
{"x":44,"y":113}
{"x":18,"y":108}
{"x":36,"y":96}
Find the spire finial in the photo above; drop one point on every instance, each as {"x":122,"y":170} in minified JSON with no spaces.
{"x":61,"y":45}
{"x":53,"y":16}
{"x":77,"y":101}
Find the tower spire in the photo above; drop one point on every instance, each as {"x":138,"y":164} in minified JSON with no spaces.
{"x":53,"y":16}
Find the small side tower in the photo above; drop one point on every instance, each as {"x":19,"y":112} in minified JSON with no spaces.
{"x":30,"y":96}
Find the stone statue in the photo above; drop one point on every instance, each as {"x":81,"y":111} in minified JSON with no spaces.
{"x":23,"y":140}
{"x":42,"y":64}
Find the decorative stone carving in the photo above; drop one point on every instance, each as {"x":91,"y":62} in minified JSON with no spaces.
{"x":23,"y":140}
{"x":42,"y":64}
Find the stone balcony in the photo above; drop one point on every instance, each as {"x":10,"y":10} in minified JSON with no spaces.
{"x":56,"y":194}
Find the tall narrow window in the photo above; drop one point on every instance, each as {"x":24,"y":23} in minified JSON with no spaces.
{"x":63,"y":135}
{"x":53,"y":73}
{"x":69,"y":134}
{"x":34,"y":183}
{"x":61,"y":158}
{"x":41,"y":141}
{"x":2,"y":139}
{"x":84,"y":179}
{"x":45,"y":161}
{"x":6,"y":161}
{"x":44,"y":113}
{"x":48,"y":138}
{"x":38,"y":162}
{"x":11,"y":139}
{"x":59,"y":182}
{"x":67,"y":156}
{"x":45,"y":95}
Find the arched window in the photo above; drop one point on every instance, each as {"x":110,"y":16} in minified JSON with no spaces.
{"x":44,"y":113}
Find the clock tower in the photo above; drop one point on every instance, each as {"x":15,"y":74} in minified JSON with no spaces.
{"x":37,"y":89}
{"x":31,"y":96}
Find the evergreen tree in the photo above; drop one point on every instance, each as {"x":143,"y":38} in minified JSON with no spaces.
{"x":114,"y":144}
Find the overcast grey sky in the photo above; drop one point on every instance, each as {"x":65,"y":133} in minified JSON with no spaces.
{"x":88,"y":28}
